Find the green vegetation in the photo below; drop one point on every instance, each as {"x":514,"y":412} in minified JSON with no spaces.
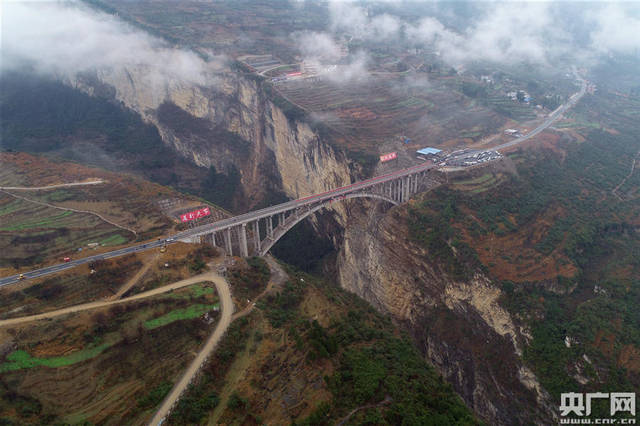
{"x":63,"y":111}
{"x":220,"y":187}
{"x":430,"y":225}
{"x":373,"y":365}
{"x":280,"y":308}
{"x":193,"y":311}
{"x":250,"y":280}
{"x":113,"y":240}
{"x":155,"y":396}
{"x":50,"y":221}
{"x":20,"y":359}
{"x":202,"y":396}
{"x":559,"y":207}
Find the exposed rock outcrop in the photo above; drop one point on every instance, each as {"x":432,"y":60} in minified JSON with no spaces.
{"x":459,"y":325}
{"x":229,"y":121}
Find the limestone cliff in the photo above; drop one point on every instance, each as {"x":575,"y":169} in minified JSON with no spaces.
{"x":228,"y":120}
{"x":459,"y":326}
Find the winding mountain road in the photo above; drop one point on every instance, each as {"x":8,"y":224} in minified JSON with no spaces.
{"x":220,"y":283}
{"x":212,"y":342}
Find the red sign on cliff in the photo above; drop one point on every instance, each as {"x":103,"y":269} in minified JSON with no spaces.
{"x":388,"y":157}
{"x":196,"y":214}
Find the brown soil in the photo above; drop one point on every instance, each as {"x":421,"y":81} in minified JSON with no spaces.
{"x":629,"y":358}
{"x":605,"y":342}
{"x":513,"y":256}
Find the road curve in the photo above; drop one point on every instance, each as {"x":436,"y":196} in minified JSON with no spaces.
{"x":553,"y":117}
{"x":212,"y":342}
{"x":209,"y":276}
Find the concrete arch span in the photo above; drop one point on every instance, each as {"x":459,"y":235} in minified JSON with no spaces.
{"x":280,"y":231}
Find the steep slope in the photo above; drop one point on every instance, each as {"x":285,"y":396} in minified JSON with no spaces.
{"x":454,"y":316}
{"x":313,"y":354}
{"x":230,"y":121}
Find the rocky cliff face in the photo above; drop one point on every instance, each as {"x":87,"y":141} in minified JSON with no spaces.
{"x":225,"y":121}
{"x":459,"y":326}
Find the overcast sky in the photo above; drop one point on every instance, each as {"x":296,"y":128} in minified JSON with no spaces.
{"x":65,"y":37}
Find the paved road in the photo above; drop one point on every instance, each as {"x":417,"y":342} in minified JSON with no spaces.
{"x":223,"y":324}
{"x":209,"y":276}
{"x":223,"y":224}
{"x":554,"y":116}
{"x":61,"y":185}
{"x":279,"y":208}
{"x":63,"y":266}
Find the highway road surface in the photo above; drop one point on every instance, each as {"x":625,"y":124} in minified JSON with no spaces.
{"x":222,"y":224}
{"x":554,"y":116}
{"x":63,"y":266}
{"x":223,"y":324}
{"x":279,"y":208}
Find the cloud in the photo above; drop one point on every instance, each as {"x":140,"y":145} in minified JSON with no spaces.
{"x":324,"y":53}
{"x":615,"y":30}
{"x":502,"y":31}
{"x":318,"y":46}
{"x":355,"y":70}
{"x":65,"y":38}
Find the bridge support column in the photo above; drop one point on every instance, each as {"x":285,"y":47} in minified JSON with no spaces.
{"x":227,"y":241}
{"x":281,"y":221}
{"x":213,"y":239}
{"x":256,"y":236}
{"x":244,"y":250}
{"x":405,"y":185}
{"x":269,"y":227}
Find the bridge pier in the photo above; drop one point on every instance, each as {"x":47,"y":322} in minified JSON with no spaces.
{"x":269,"y":227}
{"x":407,"y":192}
{"x":256,"y":235}
{"x":227,"y":241}
{"x":244,"y":249}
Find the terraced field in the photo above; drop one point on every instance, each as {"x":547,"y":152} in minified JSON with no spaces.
{"x":31,"y":233}
{"x":369,"y":113}
{"x":103,"y":366}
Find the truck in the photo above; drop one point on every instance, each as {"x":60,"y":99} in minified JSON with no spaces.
{"x":21,"y":277}
{"x":163,"y":249}
{"x":66,"y":259}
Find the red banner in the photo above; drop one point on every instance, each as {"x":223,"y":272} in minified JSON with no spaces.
{"x":196,"y":214}
{"x":388,"y":157}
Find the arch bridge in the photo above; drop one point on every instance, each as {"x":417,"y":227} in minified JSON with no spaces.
{"x":254,"y":233}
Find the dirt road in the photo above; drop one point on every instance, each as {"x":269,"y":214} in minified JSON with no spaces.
{"x":209,"y":276}
{"x":134,"y":280}
{"x":60,"y":185}
{"x":225,"y":320}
